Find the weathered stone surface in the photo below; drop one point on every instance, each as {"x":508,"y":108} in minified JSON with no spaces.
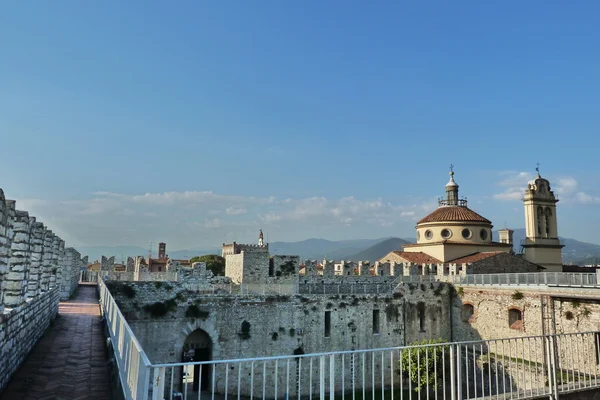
{"x":29,"y":253}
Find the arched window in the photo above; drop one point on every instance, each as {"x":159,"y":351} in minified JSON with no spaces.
{"x":547,"y":214}
{"x":515,"y":318}
{"x":468,"y":310}
{"x":540,"y":216}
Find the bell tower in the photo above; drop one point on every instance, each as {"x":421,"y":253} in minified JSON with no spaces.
{"x":260,"y":239}
{"x":542,"y":245}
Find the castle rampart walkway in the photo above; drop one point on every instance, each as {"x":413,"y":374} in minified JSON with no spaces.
{"x":69,"y":360}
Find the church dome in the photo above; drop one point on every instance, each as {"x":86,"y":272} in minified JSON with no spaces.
{"x":454,"y":214}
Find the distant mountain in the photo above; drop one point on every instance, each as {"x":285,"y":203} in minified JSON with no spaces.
{"x":377,"y":251}
{"x":187,"y":254}
{"x":120,"y":252}
{"x":317,"y":249}
{"x":575,"y":252}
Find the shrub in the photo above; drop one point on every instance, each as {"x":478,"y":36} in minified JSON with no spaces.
{"x":161,"y":308}
{"x":288,"y":268}
{"x":460,"y":291}
{"x":517,"y":295}
{"x":419,"y":367}
{"x":569,"y":315}
{"x":575,"y":303}
{"x":586,"y":312}
{"x":274,"y":336}
{"x":128,"y":291}
{"x":292,"y":332}
{"x":193,"y":311}
{"x":158,"y":284}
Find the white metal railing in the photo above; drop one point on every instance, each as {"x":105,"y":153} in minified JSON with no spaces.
{"x":516,"y":368}
{"x":133,"y":365}
{"x":533,"y":278}
{"x":88,"y":276}
{"x":346,"y":288}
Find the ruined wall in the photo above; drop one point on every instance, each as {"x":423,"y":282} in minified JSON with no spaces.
{"x":427,"y":307}
{"x":21,"y":328}
{"x":280,"y":325}
{"x":33,"y":270}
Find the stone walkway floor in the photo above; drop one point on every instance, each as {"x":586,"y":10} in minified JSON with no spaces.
{"x":69,"y":361}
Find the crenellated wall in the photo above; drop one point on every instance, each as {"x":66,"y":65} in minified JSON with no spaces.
{"x":35,"y":272}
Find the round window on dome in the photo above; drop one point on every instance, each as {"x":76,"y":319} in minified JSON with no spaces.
{"x":483,"y":234}
{"x":446,"y":233}
{"x":428,"y":234}
{"x":466,"y":233}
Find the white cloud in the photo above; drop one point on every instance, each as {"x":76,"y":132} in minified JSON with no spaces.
{"x":235,"y":211}
{"x":193,"y":218}
{"x":514,"y":184}
{"x":566,"y":187}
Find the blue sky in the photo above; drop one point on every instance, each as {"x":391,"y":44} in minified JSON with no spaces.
{"x":201,"y":122}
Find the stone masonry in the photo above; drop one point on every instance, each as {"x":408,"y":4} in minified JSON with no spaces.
{"x":35,"y":272}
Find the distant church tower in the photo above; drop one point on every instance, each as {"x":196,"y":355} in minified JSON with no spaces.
{"x":260,"y":239}
{"x":542,"y":245}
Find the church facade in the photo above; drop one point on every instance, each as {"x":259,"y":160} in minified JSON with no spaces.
{"x":455,"y":234}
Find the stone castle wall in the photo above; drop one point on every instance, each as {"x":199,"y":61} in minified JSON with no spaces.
{"x":35,"y":272}
{"x":281,"y":325}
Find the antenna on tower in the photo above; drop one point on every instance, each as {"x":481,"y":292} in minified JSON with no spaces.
{"x":150,"y":249}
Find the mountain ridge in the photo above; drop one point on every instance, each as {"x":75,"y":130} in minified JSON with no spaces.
{"x":575,"y":251}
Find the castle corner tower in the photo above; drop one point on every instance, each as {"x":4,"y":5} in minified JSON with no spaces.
{"x":542,"y":245}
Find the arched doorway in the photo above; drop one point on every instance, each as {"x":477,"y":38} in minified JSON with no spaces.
{"x":198,"y":347}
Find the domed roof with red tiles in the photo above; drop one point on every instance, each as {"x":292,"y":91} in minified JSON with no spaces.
{"x":454,"y":214}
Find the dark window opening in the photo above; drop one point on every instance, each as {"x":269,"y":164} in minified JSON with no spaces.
{"x":515,"y":318}
{"x":271,"y":267}
{"x":421,"y":317}
{"x":467,"y":311}
{"x":376,"y":321}
{"x":327,"y":323}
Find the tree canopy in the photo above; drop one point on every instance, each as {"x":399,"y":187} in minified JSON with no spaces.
{"x":214,"y":262}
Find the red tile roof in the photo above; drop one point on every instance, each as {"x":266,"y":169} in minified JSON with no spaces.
{"x":454,"y":214}
{"x":475,"y":257}
{"x":417,"y":257}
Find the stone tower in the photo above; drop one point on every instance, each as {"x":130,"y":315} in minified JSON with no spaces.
{"x":506,"y":235}
{"x":542,"y":245}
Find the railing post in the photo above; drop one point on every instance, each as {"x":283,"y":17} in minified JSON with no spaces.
{"x":332,"y":377}
{"x":322,"y":377}
{"x":158,"y":384}
{"x":452,"y":373}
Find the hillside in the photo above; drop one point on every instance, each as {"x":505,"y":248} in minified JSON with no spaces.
{"x":379,"y":250}
{"x":317,"y":249}
{"x":575,"y":251}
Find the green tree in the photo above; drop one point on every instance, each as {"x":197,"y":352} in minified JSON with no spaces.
{"x":213,"y":262}
{"x":418,"y":363}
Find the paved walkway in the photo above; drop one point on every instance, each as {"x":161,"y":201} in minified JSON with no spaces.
{"x":69,"y":362}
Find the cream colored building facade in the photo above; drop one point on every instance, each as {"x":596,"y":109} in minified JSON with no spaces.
{"x":453,"y":231}
{"x":542,"y":245}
